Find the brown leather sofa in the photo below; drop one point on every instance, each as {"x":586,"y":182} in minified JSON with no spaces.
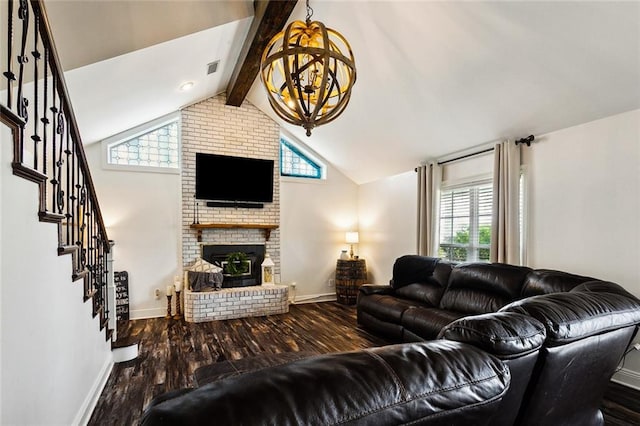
{"x":540,"y":359}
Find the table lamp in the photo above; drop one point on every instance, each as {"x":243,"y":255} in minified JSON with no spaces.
{"x":351,"y":238}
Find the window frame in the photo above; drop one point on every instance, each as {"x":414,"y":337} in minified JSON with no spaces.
{"x":137,"y":131}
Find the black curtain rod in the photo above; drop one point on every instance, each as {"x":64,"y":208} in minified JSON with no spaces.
{"x":526,"y":141}
{"x":440,"y":163}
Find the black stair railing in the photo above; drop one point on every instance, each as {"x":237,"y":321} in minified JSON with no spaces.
{"x":48,"y":150}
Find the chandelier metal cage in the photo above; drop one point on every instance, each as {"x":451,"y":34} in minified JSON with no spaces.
{"x":308,"y":71}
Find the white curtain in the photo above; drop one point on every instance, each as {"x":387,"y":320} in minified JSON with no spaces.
{"x":505,"y":224}
{"x":429,"y":177}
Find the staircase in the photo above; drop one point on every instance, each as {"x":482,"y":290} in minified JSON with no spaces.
{"x":48,"y":150}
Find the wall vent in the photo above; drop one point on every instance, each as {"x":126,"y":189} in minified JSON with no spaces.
{"x":212,"y":67}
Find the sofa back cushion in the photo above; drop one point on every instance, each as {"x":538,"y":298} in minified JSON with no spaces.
{"x":478,"y":288}
{"x":545,"y":281}
{"x":411,"y":268}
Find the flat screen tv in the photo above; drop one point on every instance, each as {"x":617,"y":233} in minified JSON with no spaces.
{"x":227,"y":178}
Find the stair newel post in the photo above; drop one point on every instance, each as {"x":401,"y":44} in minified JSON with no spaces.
{"x":105,"y":281}
{"x":99,"y":280}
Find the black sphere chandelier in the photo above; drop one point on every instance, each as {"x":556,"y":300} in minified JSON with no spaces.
{"x":308,"y":71}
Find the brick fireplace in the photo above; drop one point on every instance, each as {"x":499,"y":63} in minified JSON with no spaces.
{"x":213,"y":127}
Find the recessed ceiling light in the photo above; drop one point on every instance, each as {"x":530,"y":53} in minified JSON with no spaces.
{"x":186,"y":86}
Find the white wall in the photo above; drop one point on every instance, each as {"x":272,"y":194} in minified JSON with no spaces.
{"x":141,"y":211}
{"x":388,"y":222}
{"x":584,"y":204}
{"x":584,"y":200}
{"x":54,"y":358}
{"x":314,"y":217}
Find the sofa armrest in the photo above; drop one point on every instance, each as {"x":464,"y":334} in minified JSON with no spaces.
{"x":504,"y":334}
{"x":376,"y":289}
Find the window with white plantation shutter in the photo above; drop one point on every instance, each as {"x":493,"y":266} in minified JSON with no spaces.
{"x":465,"y":223}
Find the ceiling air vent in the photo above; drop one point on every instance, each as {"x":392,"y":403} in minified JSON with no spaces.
{"x":212,"y":67}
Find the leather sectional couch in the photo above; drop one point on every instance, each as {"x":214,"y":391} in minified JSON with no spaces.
{"x":589,"y":325}
{"x":484,"y":344}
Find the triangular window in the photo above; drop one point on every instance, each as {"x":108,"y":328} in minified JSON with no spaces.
{"x":157,"y":147}
{"x":295,"y":163}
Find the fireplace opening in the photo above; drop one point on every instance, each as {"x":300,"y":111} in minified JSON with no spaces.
{"x":217,"y":254}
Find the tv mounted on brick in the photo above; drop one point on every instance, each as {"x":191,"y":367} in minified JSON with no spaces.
{"x":227,"y":181}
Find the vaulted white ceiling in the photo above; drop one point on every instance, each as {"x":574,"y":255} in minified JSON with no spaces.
{"x":433,"y":77}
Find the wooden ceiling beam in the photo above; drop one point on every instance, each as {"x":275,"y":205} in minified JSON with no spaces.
{"x":269,"y":19}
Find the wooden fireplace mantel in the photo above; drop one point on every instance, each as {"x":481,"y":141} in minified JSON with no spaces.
{"x":265,"y":227}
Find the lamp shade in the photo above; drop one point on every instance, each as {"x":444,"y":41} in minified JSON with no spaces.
{"x":352,"y":237}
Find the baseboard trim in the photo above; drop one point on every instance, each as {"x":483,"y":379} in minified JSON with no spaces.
{"x":161,"y":312}
{"x":313,"y":298}
{"x":147,"y":313}
{"x":628,"y":378}
{"x":89,"y":404}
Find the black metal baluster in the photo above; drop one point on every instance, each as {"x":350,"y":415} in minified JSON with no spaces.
{"x":60,"y":162}
{"x":67,"y":177}
{"x":36,"y":57}
{"x":78,"y":216}
{"x":8,"y":73}
{"x":54,"y":116}
{"x":73,"y":197}
{"x":83,"y":226}
{"x":90,"y":247}
{"x":45,"y":123}
{"x":22,"y":102}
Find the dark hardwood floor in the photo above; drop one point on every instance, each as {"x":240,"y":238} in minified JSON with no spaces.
{"x":170,"y":351}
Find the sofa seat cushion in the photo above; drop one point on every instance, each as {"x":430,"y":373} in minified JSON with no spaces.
{"x":385,"y":307}
{"x":576,"y":315}
{"x":428,"y":292}
{"x":479,"y":288}
{"x":439,"y":382}
{"x":427,"y":322}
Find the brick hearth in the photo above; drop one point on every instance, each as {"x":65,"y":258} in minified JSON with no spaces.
{"x":237,"y":302}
